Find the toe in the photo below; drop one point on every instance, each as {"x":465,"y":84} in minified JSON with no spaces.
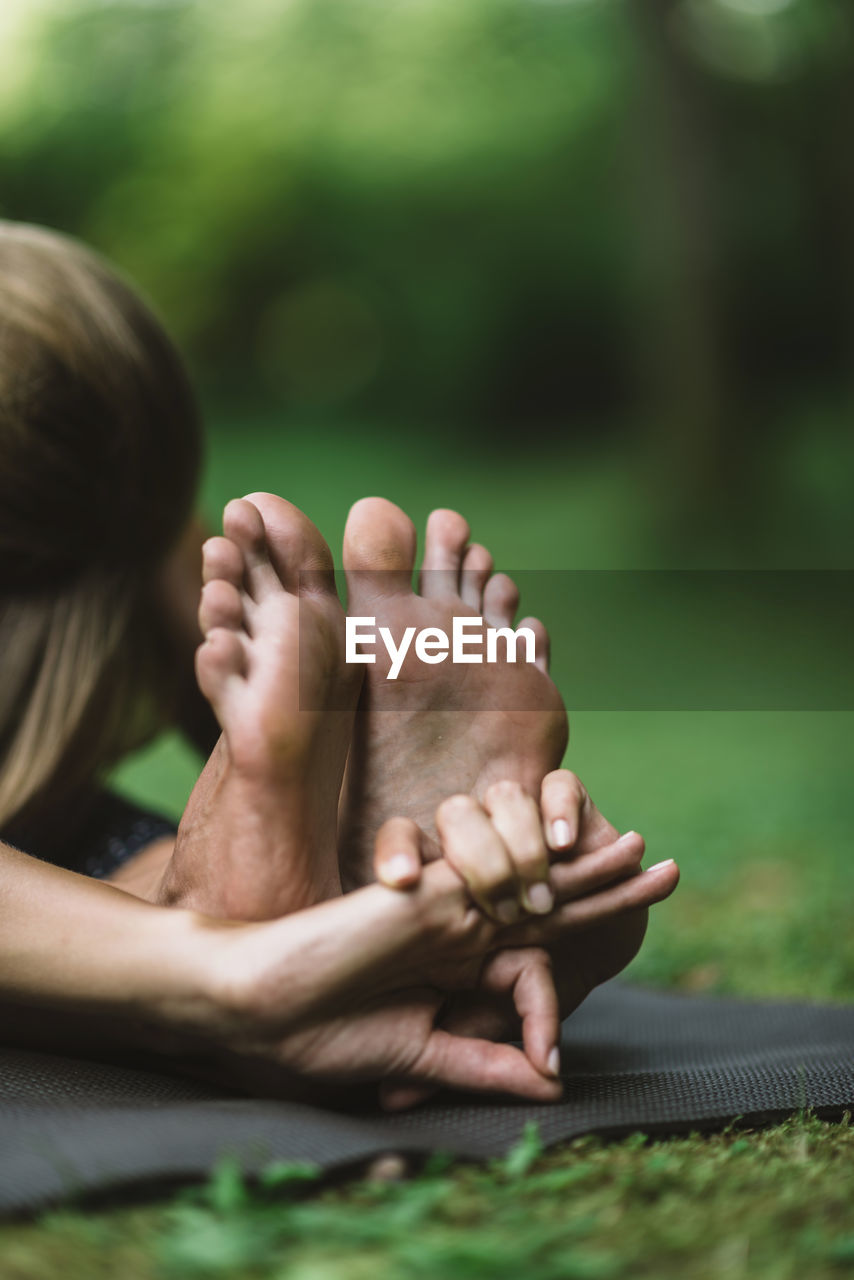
{"x":222,"y":559}
{"x":444,"y":547}
{"x":243,"y":526}
{"x":500,"y":600}
{"x":541,"y":642}
{"x":296,"y":548}
{"x":476,"y":568}
{"x":221,"y":606}
{"x":220,"y":658}
{"x":379,"y":551}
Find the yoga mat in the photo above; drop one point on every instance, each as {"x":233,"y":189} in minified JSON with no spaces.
{"x":633,"y":1060}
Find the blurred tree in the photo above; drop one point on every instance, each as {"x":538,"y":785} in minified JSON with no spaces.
{"x":491,"y":214}
{"x":695,"y":434}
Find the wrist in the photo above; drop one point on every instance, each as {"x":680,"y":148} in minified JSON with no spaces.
{"x":175,"y":958}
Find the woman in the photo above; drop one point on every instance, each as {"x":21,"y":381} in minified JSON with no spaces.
{"x":99,"y":455}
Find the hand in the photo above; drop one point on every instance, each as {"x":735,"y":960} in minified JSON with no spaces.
{"x":600,"y":894}
{"x":350,"y":991}
{"x":502,"y":852}
{"x":597,"y":937}
{"x":347,"y":991}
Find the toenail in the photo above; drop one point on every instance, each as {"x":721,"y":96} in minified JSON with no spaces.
{"x":507,"y":911}
{"x":541,"y":898}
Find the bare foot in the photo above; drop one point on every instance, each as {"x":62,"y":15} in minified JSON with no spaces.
{"x":258,"y":839}
{"x":418,"y":741}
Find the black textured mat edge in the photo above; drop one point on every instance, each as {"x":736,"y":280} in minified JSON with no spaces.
{"x":634,"y":1060}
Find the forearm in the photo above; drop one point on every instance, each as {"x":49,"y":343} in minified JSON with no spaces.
{"x":72,"y":944}
{"x":73,"y":947}
{"x":343,"y":992}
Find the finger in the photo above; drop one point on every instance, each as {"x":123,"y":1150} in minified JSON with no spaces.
{"x":642,"y":890}
{"x":562,"y":798}
{"x":592,"y":871}
{"x":474,"y":575}
{"x":516,"y":818}
{"x":477,"y":853}
{"x":444,"y":545}
{"x":462,"y":1063}
{"x":467,"y":1015}
{"x":527,"y":974}
{"x":398,"y":854}
{"x":570,"y":817}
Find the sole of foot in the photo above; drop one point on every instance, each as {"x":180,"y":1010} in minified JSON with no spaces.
{"x":258,"y":839}
{"x":427,"y":735}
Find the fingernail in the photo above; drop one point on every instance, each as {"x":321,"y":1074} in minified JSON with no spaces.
{"x":507,"y":911}
{"x":627,"y":836}
{"x":540,"y":899}
{"x":666,"y":863}
{"x":554,"y":1061}
{"x":398,"y":868}
{"x":561,"y":833}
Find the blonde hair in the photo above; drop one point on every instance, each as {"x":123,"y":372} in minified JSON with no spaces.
{"x":99,"y":460}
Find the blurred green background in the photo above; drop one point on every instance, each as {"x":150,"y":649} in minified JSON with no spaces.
{"x":583,"y":269}
{"x":532,"y":231}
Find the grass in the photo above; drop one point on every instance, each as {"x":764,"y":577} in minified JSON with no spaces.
{"x":757,"y":807}
{"x":774,"y":1204}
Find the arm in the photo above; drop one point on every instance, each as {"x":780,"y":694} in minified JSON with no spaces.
{"x":343,"y":992}
{"x":73,"y":944}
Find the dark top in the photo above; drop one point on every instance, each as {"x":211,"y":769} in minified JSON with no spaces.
{"x":114,"y":830}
